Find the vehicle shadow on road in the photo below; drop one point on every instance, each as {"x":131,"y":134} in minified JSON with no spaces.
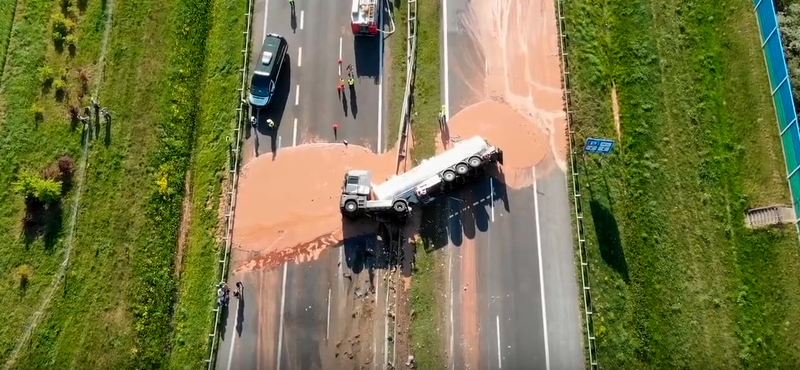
{"x":275,"y":109}
{"x":462,"y":213}
{"x":367,"y":58}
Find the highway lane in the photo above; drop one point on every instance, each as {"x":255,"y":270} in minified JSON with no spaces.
{"x":296,"y":315}
{"x":519,"y":243}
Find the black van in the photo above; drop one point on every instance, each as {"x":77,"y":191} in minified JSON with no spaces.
{"x":268,"y":68}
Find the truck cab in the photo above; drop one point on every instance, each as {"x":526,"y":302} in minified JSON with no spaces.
{"x":357,"y":196}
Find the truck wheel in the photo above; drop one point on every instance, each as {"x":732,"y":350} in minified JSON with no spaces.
{"x":475,"y":162}
{"x":448,"y":175}
{"x":400,"y":206}
{"x":462,"y":169}
{"x":350,"y":206}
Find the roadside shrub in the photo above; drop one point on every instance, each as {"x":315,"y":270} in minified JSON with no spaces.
{"x":37,"y":112}
{"x":61,"y":24}
{"x":23,"y":276}
{"x":70,"y":40}
{"x":35,"y":188}
{"x":59,"y":85}
{"x":45,"y":75}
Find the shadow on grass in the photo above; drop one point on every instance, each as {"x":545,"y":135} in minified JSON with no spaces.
{"x":42,"y":221}
{"x":607,"y":231}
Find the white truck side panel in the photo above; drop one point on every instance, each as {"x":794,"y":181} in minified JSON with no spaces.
{"x":429,"y":168}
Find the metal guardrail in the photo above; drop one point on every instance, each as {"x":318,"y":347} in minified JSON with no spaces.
{"x":235,"y":156}
{"x":591,"y":348}
{"x":781,"y":92}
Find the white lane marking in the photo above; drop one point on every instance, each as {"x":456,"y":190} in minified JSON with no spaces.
{"x":302,"y":18}
{"x":280,"y":328}
{"x":294,"y":139}
{"x":491,"y":195}
{"x":279,"y":142}
{"x":446,"y":64}
{"x":233,"y":335}
{"x":340,"y":56}
{"x":541,"y":271}
{"x":380,"y":85}
{"x":297,"y":95}
{"x":452,"y":293}
{"x":266,"y":12}
{"x":499,"y":353}
{"x":300,"y":56}
{"x":328,"y":325}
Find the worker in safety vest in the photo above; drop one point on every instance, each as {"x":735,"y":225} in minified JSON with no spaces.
{"x":351,"y":81}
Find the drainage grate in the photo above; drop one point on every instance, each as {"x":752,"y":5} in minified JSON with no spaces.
{"x":771,"y":215}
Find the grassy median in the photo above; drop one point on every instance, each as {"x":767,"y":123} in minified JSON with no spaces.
{"x":677,"y":280}
{"x":426,"y":323}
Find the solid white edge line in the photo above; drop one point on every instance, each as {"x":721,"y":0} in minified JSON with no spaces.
{"x":447,"y":115}
{"x":499,"y":353}
{"x":340,"y":56}
{"x":452,"y":293}
{"x":279,"y":141}
{"x":446,"y":63}
{"x":266,"y":12}
{"x":280,"y":328}
{"x":380,"y":84}
{"x":294,"y":133}
{"x":302,"y":18}
{"x":297,"y":95}
{"x":541,"y":270}
{"x":233,"y":336}
{"x":491,"y":195}
{"x":300,"y":56}
{"x":328,"y":322}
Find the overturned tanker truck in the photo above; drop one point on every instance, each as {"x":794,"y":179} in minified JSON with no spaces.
{"x":435,"y":176}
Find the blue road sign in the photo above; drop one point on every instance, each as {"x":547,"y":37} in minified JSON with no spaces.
{"x":598,"y":146}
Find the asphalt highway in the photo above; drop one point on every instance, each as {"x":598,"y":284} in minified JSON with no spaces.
{"x":296,"y":316}
{"x":523,"y":309}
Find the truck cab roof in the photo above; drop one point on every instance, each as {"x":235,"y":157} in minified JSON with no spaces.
{"x":357,"y":182}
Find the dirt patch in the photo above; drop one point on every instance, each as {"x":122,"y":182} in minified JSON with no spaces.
{"x":615,"y":109}
{"x":354,"y":348}
{"x":403,"y":323}
{"x":186,"y":219}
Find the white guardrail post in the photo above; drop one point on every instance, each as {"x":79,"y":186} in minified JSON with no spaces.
{"x":576,"y":196}
{"x":235,"y":155}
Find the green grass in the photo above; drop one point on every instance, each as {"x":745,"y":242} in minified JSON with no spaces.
{"x":217,"y":118}
{"x":173,"y":102}
{"x":27,"y":146}
{"x":426,"y":341}
{"x":397,"y":71}
{"x":427,"y":323}
{"x":7,"y":10}
{"x":677,"y":280}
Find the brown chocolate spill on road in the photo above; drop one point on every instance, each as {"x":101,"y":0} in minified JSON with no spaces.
{"x":515,"y":76}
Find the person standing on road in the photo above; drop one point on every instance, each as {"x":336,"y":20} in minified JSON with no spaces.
{"x":335,"y":131}
{"x":253,"y":120}
{"x":351,"y":81}
{"x":270,"y":123}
